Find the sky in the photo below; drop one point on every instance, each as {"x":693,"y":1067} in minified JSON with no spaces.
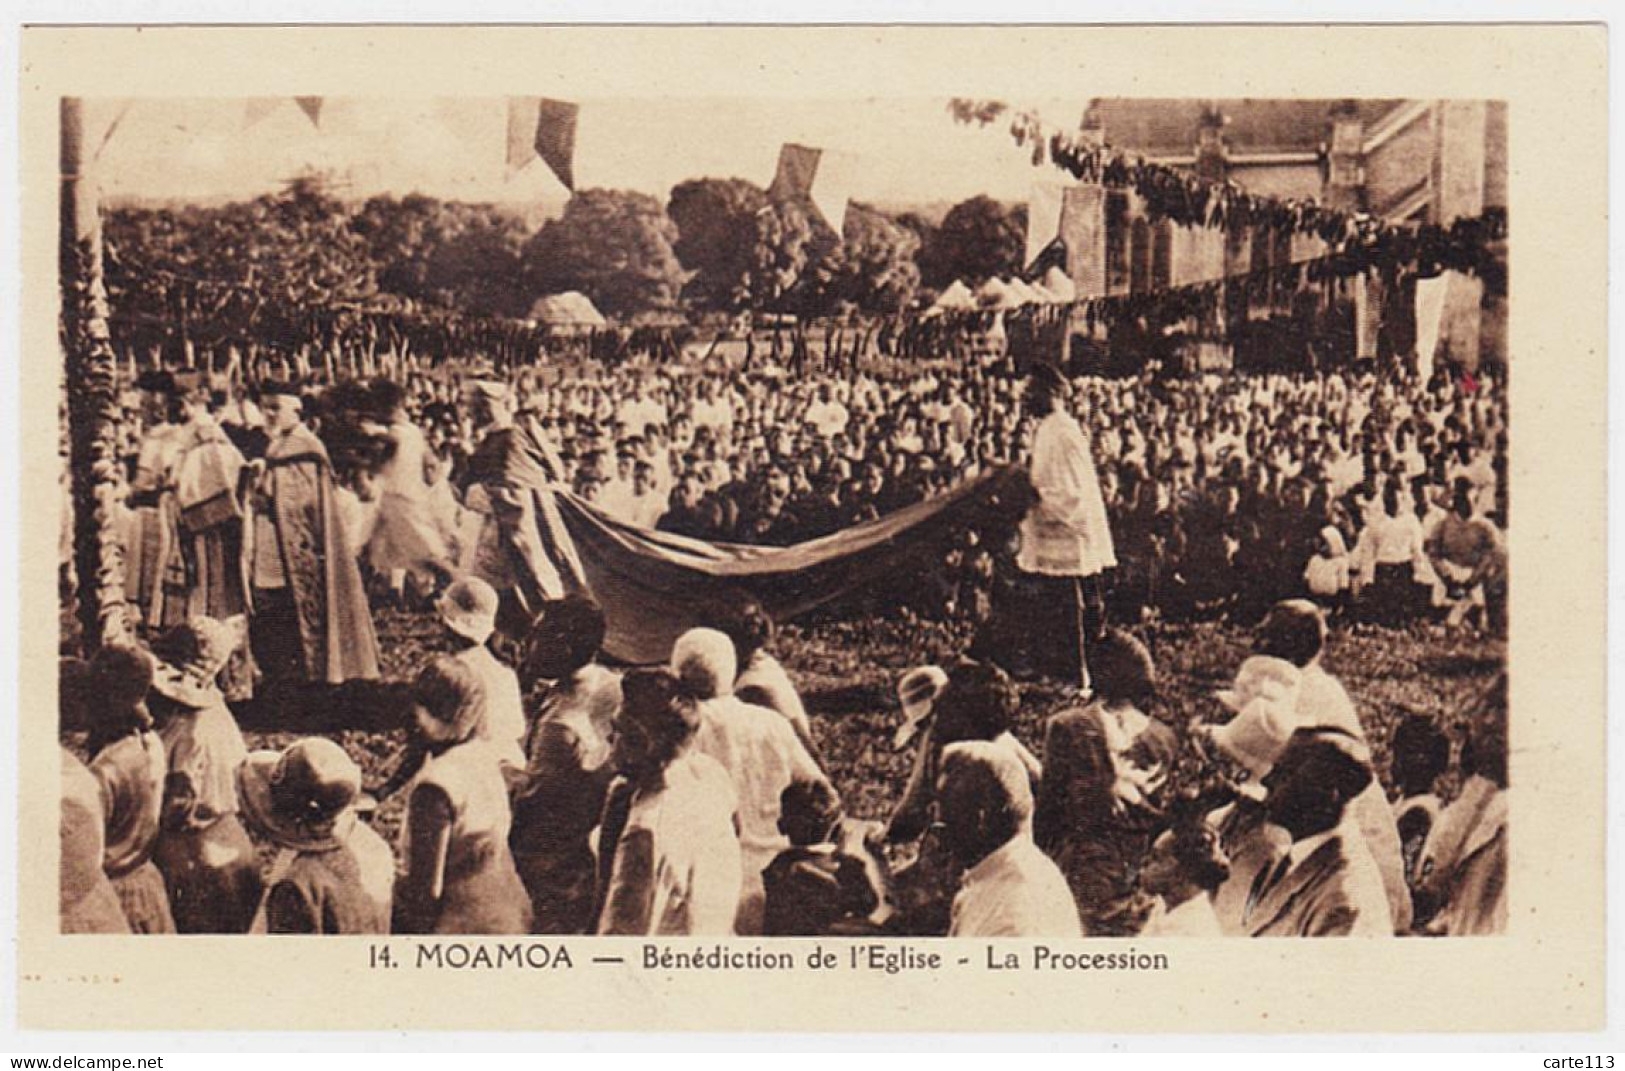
{"x":906,"y":150}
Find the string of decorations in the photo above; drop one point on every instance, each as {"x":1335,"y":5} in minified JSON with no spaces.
{"x":1186,"y":199}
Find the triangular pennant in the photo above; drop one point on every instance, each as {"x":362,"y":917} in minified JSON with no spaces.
{"x":257,"y":108}
{"x":312,"y":107}
{"x":832,"y":187}
{"x":522,"y":120}
{"x":556,"y":138}
{"x":1043,"y":219}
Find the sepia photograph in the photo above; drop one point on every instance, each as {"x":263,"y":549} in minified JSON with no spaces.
{"x":876,"y":516}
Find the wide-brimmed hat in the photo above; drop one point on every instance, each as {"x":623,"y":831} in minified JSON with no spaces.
{"x":189,"y":659}
{"x":469,"y":608}
{"x":1265,"y":697}
{"x":303,"y":797}
{"x":917,"y":692}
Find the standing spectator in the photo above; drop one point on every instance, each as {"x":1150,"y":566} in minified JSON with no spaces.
{"x":460,"y":875}
{"x":206,"y":858}
{"x":303,"y":799}
{"x":762,"y":680}
{"x":1420,"y":754}
{"x":1009,"y":888}
{"x":976,"y":701}
{"x":558,"y":802}
{"x":1295,"y":630}
{"x":468,"y":610}
{"x":1387,"y":557}
{"x":1463,"y":870}
{"x":130,"y":765}
{"x":87,"y":902}
{"x":669,"y":856}
{"x":757,"y":748}
{"x":1264,"y":698}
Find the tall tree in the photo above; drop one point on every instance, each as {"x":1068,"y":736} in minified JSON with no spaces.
{"x":716,"y":236}
{"x":979,"y":238}
{"x":875,"y":268}
{"x":615,"y":246}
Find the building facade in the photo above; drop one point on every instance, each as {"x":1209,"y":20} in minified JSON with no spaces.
{"x":1404,"y":161}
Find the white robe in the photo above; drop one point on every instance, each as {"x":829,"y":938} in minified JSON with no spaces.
{"x":1066,"y":532}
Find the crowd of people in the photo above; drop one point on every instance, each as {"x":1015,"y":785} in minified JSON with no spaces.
{"x":1383,"y":499}
{"x":549,"y":792}
{"x":690,"y":799}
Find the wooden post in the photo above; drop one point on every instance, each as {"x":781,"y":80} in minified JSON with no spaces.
{"x":93,"y":399}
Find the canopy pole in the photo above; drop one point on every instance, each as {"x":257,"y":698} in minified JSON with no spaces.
{"x":92,"y":386}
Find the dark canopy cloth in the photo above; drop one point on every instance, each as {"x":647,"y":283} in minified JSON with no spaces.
{"x":654,"y":586}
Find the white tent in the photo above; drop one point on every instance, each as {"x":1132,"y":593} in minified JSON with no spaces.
{"x":1059,"y":285}
{"x":571,"y":310}
{"x":956,"y":298}
{"x":997,"y":295}
{"x":1026,"y":294}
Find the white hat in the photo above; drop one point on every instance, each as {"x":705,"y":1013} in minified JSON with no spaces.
{"x":1265,"y":697}
{"x":469,"y":608}
{"x":917,"y":691}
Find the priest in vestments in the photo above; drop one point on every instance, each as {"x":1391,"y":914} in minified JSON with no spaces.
{"x":523,"y":550}
{"x":311,"y":622}
{"x":1066,"y":541}
{"x":204,"y":570}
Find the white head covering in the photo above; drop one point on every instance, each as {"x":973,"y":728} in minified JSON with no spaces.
{"x":705,"y":660}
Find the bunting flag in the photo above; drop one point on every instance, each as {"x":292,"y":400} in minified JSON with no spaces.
{"x":312,"y":107}
{"x":543,"y":128}
{"x":824,"y":178}
{"x":556,"y":138}
{"x":1429,"y":315}
{"x":257,"y":108}
{"x":522,"y":113}
{"x":1043,"y":219}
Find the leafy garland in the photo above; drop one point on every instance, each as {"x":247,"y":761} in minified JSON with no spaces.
{"x":1360,"y":242}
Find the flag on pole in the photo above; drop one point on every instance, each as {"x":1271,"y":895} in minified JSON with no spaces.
{"x":822,"y":177}
{"x":1043,"y":218}
{"x":312,"y":107}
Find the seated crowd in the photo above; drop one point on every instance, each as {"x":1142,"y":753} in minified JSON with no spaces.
{"x":1383,"y":499}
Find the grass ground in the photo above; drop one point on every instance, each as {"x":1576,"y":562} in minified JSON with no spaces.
{"x":847,"y":672}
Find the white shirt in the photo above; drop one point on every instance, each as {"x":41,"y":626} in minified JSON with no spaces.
{"x":761,"y":755}
{"x":1017,"y":891}
{"x":504,"y":707}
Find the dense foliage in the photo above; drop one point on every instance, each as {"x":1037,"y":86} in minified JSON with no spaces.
{"x":717,"y":245}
